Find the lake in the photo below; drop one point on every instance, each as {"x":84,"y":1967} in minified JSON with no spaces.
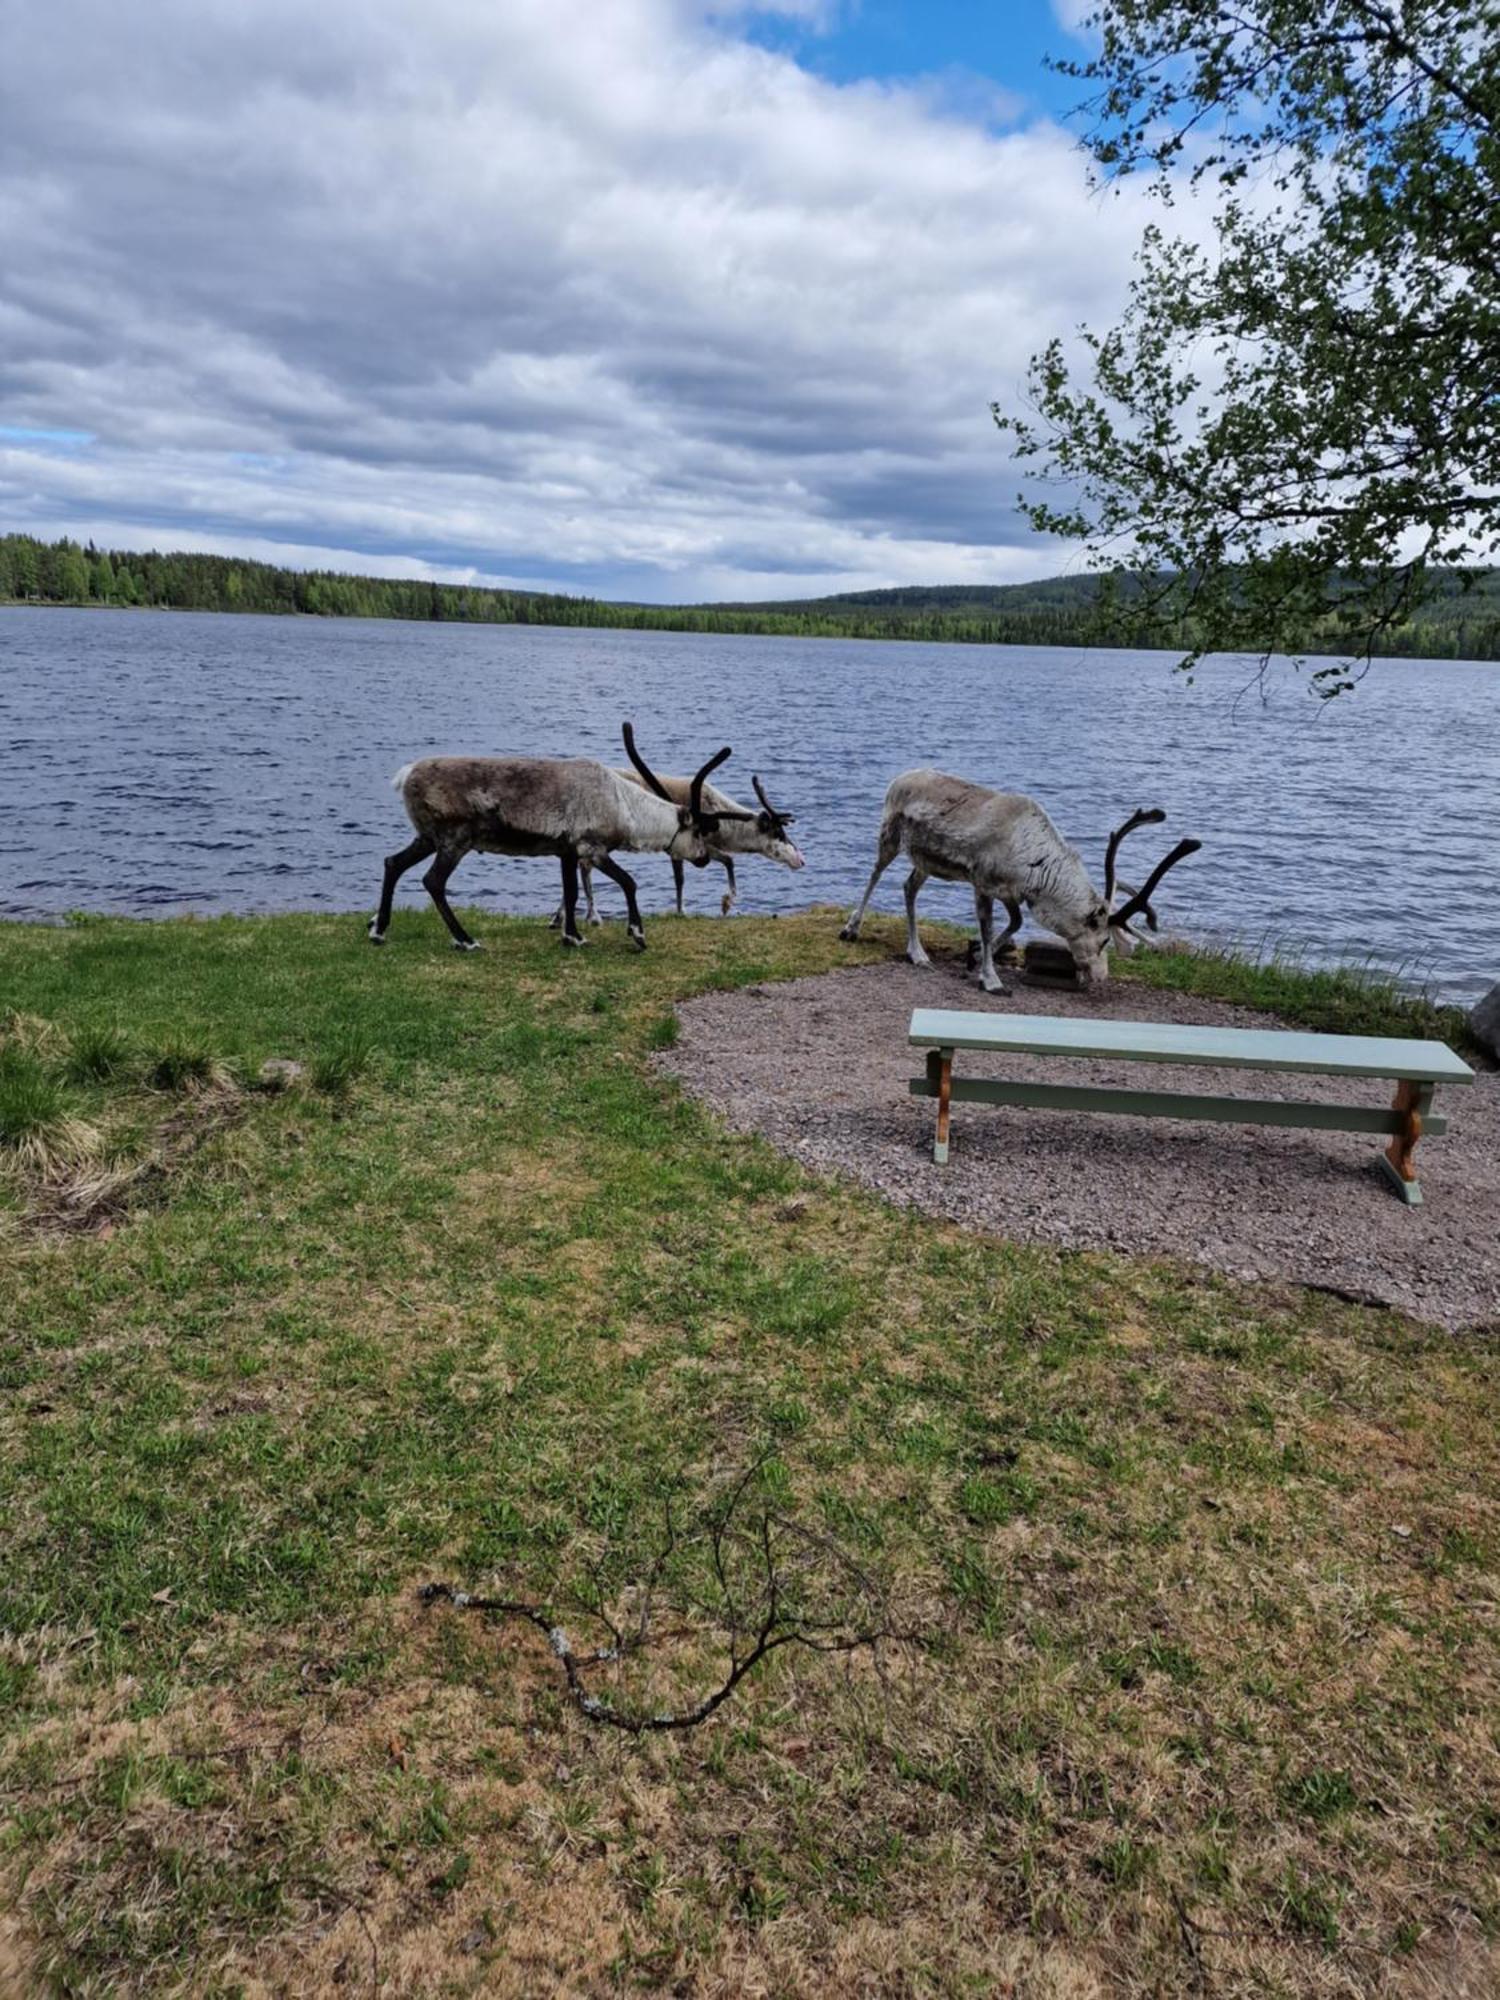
{"x":159,"y":762}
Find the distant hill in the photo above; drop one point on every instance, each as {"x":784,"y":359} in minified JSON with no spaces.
{"x":1454,"y":623}
{"x":1059,"y":593}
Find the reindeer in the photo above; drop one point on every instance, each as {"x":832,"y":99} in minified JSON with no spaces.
{"x":1004,"y":844}
{"x":573,"y":808}
{"x":763,"y":832}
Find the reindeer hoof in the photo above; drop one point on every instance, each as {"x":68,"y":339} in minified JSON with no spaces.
{"x":578,"y":942}
{"x":994,"y":986}
{"x":918,"y":958}
{"x":849,"y":935}
{"x":726,"y":904}
{"x":638,"y":939}
{"x":375,"y":936}
{"x":467,"y":944}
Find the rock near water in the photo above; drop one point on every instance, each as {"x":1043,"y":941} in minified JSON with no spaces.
{"x":1485,"y":1020}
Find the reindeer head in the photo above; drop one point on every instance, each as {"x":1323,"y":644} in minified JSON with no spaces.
{"x":696,"y":826}
{"x":1102,"y":925}
{"x":772,"y":826}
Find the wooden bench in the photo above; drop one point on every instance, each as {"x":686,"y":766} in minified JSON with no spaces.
{"x":1415,"y":1067}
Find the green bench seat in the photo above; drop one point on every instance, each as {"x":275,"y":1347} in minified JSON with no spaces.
{"x":1415,"y":1067}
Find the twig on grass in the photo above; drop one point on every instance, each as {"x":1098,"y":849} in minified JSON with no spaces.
{"x":755,"y":1566}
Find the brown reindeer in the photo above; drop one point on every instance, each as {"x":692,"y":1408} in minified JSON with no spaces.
{"x":574,"y":808}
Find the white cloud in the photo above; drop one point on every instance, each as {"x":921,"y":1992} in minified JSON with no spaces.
{"x":595,"y":296}
{"x":1071,"y":14}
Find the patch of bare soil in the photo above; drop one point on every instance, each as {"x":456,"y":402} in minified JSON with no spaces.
{"x":820,"y":1067}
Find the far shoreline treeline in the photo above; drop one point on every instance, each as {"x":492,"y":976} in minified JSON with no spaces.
{"x":1455,"y":621}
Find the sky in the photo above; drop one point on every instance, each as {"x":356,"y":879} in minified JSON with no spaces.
{"x":661,"y":299}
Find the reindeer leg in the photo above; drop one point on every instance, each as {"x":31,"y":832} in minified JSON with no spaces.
{"x":913,"y":889}
{"x":1015,"y":917}
{"x":890,"y":847}
{"x":679,"y":878}
{"x":635,"y":929}
{"x":396,"y":866}
{"x":984,"y":910}
{"x":586,"y":876}
{"x":435,"y":882}
{"x":727,"y":900}
{"x":570,"y":900}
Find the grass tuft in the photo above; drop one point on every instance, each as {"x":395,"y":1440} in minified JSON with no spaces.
{"x":97,"y":1054}
{"x":664,"y":1031}
{"x":340,"y":1064}
{"x":183,"y":1065}
{"x":38,"y":1127}
{"x":1320,"y":1795}
{"x":30,"y":1034}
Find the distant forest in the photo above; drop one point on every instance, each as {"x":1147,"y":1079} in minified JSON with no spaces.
{"x":1455,"y":622}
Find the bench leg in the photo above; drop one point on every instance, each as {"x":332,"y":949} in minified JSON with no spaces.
{"x":940,"y":1086}
{"x":1412,"y":1102}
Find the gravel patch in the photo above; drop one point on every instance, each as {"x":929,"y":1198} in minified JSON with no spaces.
{"x":820,"y":1067}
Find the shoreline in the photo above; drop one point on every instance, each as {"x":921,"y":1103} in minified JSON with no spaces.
{"x":1349,"y":998}
{"x":693,"y":621}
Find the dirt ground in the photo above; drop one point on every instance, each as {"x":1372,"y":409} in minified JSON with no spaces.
{"x":820,"y":1067}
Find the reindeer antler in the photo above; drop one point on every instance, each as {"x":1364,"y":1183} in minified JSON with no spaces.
{"x":782,"y":819}
{"x":1152,"y":817}
{"x":643,"y":767}
{"x":695,"y":789}
{"x":1141,"y":900}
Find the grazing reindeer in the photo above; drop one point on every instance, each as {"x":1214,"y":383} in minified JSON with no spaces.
{"x":1006,"y":846}
{"x":573,"y":808}
{"x":763,"y":832}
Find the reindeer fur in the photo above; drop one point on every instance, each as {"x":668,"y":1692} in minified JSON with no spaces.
{"x":754,"y":833}
{"x":1006,"y":847}
{"x":574,"y":808}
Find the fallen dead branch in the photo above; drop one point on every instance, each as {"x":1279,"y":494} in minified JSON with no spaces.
{"x":771,"y":1582}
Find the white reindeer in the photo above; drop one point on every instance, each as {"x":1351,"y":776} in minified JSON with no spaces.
{"x":741,"y":833}
{"x":571,"y":807}
{"x":1004,"y":844}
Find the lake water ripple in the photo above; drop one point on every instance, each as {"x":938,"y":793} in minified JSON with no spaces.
{"x":171,"y":762}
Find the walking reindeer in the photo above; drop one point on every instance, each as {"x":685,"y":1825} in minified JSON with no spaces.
{"x":740,"y":833}
{"x":1004,"y":844}
{"x":571,"y":807}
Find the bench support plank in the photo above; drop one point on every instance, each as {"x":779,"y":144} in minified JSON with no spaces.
{"x":1173,"y":1104}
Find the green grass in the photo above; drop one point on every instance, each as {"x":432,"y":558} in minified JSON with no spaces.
{"x":97,"y":1053}
{"x":1336,"y":1000}
{"x":32,"y":1101}
{"x":1172,"y":1710}
{"x":340,"y":1063}
{"x":182,"y":1062}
